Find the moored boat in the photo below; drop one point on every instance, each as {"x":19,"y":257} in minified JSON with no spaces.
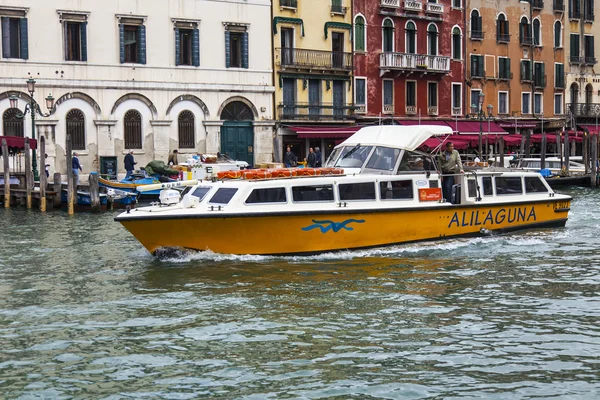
{"x":390,"y":194}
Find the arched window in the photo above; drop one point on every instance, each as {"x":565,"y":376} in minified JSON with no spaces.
{"x":557,"y":35}
{"x":13,"y":125}
{"x":432,"y":40}
{"x":76,"y":128}
{"x":537,"y":32}
{"x":574,"y":93}
{"x":524,"y":31}
{"x":502,"y":33}
{"x":359,"y":34}
{"x":476,"y":32}
{"x":588,"y":93}
{"x":185,"y":127}
{"x":456,"y":44}
{"x":411,"y":37}
{"x":132,"y":124}
{"x":388,"y":35}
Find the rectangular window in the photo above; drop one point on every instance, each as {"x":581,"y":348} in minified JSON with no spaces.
{"x":502,"y":102}
{"x":223,"y":196}
{"x":575,"y":52}
{"x":526,"y":71}
{"x":236,"y":46}
{"x":384,"y":158}
{"x":488,"y":190}
{"x":504,"y":68}
{"x":411,"y":94}
{"x":185,"y":46}
{"x":559,"y":76}
{"x":525,"y":103}
{"x":269,"y":195}
{"x":539,"y":75}
{"x":133,"y":43}
{"x":388,"y":92}
{"x":312,"y":193}
{"x":456,"y":99}
{"x":360,"y":88}
{"x":477,"y":69}
{"x":357,"y":191}
{"x":200,"y":192}
{"x":538,"y":103}
{"x":75,"y":41}
{"x":396,"y":190}
{"x":475,"y":100}
{"x":457,"y":3}
{"x":558,"y":104}
{"x":432,"y":94}
{"x":235,"y":50}
{"x":533,"y":184}
{"x":14,"y":38}
{"x":471,"y":188}
{"x":506,"y":185}
{"x":590,"y":57}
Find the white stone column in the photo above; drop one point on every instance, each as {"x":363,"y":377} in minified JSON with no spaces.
{"x":162,"y":130}
{"x":105,"y":131}
{"x":264,"y":141}
{"x":47,"y":128}
{"x":213,"y":136}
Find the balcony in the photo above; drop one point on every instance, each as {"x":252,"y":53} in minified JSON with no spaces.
{"x":525,"y":41}
{"x":503,"y":38}
{"x":388,"y":108}
{"x":414,"y":62}
{"x":314,"y":59}
{"x":590,"y":110}
{"x":537,"y":4}
{"x":316,"y":112}
{"x":456,"y":111}
{"x":434,"y":8}
{"x":575,"y":59}
{"x":432,"y":110}
{"x":477,"y":35}
{"x":293,"y":4}
{"x":590,"y":60}
{"x":338,"y":9}
{"x":411,"y":110}
{"x":390,"y":3}
{"x":558,"y":5}
{"x":360,"y":109}
{"x":412,"y":5}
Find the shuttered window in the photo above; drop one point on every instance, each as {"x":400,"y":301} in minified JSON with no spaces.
{"x":12,"y":124}
{"x":477,"y":69}
{"x":187,"y":47}
{"x":359,"y":34}
{"x":132,"y":124}
{"x":575,"y":53}
{"x":15,"y":38}
{"x":185,"y":126}
{"x":75,"y":35}
{"x":76,"y":128}
{"x":525,"y":70}
{"x":236,"y":49}
{"x":559,"y":75}
{"x":503,"y":68}
{"x":132,"y":40}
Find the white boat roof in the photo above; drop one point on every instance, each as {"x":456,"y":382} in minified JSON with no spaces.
{"x":397,"y":136}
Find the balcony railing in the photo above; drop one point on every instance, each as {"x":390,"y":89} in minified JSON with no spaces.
{"x":537,"y":4}
{"x":302,"y":58}
{"x":432,"y":110}
{"x":388,"y":108}
{"x":558,"y":5}
{"x":590,"y":60}
{"x":526,"y":40}
{"x":413,"y":5}
{"x":288,"y":3}
{"x":411,"y":110}
{"x":575,"y":59}
{"x":503,"y":38}
{"x":456,"y":111}
{"x":338,"y":9}
{"x":316,"y":112}
{"x":390,"y":3}
{"x":434,"y":8}
{"x":477,"y":35}
{"x":414,"y":62}
{"x":360,"y":109}
{"x":584,"y":109}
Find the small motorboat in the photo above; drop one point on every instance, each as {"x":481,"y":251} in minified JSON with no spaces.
{"x":131,"y":183}
{"x":83,"y":198}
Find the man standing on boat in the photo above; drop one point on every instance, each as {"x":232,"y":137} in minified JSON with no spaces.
{"x":129,"y":164}
{"x":450,"y":164}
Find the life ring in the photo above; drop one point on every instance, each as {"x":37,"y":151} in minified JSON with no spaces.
{"x":229,"y":174}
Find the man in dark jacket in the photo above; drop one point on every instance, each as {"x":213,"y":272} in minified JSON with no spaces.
{"x":311,"y":160}
{"x":289,"y":159}
{"x":129,"y":164}
{"x":76,"y":167}
{"x":318,"y":164}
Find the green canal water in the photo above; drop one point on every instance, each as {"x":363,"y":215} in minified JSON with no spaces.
{"x":87,"y":313}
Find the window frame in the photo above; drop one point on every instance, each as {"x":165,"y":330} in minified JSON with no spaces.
{"x":460,"y":44}
{"x":539,"y":95}
{"x":383,"y":97}
{"x":77,"y":142}
{"x":561,"y":103}
{"x":460,"y":91}
{"x":364,"y":50}
{"x":383,"y":35}
{"x":361,"y":78}
{"x":280,"y":188}
{"x":523,"y":103}
{"x":392,"y":181}
{"x":339,"y":193}
{"x":506,"y":92}
{"x":222,"y":189}
{"x":294,"y":201}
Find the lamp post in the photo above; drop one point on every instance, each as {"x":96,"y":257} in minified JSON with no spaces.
{"x":487,"y":138}
{"x":480,"y":144}
{"x":33,"y":107}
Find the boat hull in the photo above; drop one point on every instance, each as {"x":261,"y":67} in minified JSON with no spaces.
{"x":317,"y":232}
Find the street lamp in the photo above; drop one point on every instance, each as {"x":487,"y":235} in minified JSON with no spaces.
{"x":479,"y":142}
{"x":487,"y":137}
{"x":33,"y":107}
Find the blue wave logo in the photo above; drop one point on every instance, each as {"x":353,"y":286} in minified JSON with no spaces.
{"x":327,"y":225}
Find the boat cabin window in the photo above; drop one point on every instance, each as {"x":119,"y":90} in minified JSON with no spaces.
{"x":413,"y":161}
{"x":268,"y":195}
{"x":200,"y":192}
{"x":353,"y":156}
{"x":383,"y":158}
{"x":312,"y":193}
{"x":357,"y":191}
{"x":397,"y":190}
{"x":471,"y":188}
{"x":534,"y":184}
{"x":508,"y":185}
{"x":223,"y":195}
{"x":488,"y":189}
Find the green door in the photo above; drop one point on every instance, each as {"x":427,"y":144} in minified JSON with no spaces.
{"x":237,"y":140}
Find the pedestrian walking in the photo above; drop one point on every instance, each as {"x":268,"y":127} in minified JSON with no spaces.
{"x":290,"y":159}
{"x":76,"y":168}
{"x":129,"y":164}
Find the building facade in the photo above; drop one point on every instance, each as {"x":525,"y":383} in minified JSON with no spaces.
{"x":151,"y":76}
{"x":409,"y":59}
{"x":516,"y":61}
{"x":312,"y":60}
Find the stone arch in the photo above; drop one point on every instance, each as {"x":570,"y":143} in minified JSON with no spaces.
{"x":193,"y":99}
{"x":82,"y":96}
{"x":139,"y":97}
{"x":22,"y":95}
{"x":230,"y":102}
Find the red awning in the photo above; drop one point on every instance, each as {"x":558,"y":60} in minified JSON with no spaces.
{"x":412,"y":122}
{"x":472,"y":127}
{"x":590,"y":128}
{"x":518,"y":124}
{"x":537,"y":138}
{"x":18,"y":142}
{"x":324,"y":132}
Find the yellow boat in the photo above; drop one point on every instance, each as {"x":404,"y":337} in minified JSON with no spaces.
{"x":390,"y":194}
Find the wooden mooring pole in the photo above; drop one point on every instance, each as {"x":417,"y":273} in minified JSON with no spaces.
{"x":43,"y":177}
{"x":28,"y":173}
{"x":501,"y":151}
{"x":94,"y":191}
{"x":6,"y":174}
{"x":594,"y":149}
{"x":586,"y":152}
{"x":57,"y":187}
{"x":70,"y":183}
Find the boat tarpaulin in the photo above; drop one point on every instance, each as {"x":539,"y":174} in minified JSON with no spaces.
{"x":404,"y":137}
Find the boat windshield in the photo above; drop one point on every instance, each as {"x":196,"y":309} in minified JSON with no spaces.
{"x":333,"y":157}
{"x":383,"y":158}
{"x":353,"y":156}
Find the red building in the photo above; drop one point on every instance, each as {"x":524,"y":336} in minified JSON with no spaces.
{"x":409,"y":59}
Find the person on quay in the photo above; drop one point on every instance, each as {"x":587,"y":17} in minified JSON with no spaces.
{"x":173,"y":158}
{"x":76,"y":167}
{"x":450,"y":164}
{"x":47,"y":166}
{"x":319,"y":163}
{"x":129,"y":164}
{"x":311,"y":160}
{"x":289,"y":159}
